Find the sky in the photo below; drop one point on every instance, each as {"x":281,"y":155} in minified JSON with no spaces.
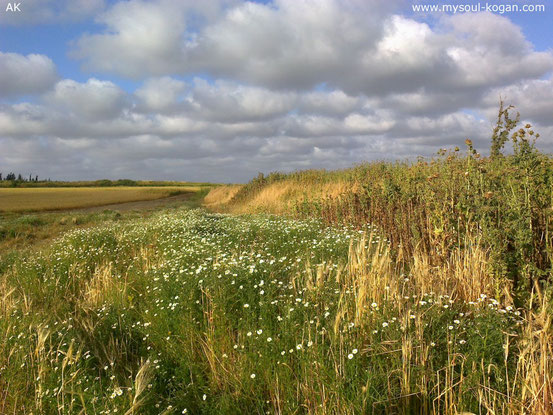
{"x":221,"y":90}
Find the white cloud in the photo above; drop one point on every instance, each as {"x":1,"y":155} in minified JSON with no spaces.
{"x":230,"y":89}
{"x":95,"y":99}
{"x":491,"y":50}
{"x":232,"y":102}
{"x":332,"y":103}
{"x":20,"y":75}
{"x":355,"y":47}
{"x":147,"y":37}
{"x":532,"y":98}
{"x":160,"y":94}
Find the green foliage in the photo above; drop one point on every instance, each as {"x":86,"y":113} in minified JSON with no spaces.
{"x":436,"y":205}
{"x":505,"y":124}
{"x":214,"y":314}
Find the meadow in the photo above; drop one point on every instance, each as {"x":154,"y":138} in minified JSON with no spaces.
{"x":191,"y":312}
{"x":36,"y":199}
{"x":388,"y":288}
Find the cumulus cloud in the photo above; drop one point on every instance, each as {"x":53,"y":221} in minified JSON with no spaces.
{"x":228,"y":101}
{"x":352,"y":46}
{"x":146,"y":38}
{"x":95,"y":99}
{"x":160,"y":94}
{"x":491,"y":50}
{"x":532,"y":98}
{"x":21,"y":75}
{"x":276,"y":45}
{"x":227,"y":89}
{"x":331,"y":103}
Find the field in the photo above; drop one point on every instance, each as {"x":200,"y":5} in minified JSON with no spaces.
{"x":387,"y":288}
{"x":62,"y":198}
{"x":191,"y":312}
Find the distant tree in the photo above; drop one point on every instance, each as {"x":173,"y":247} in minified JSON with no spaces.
{"x":0,"y":176}
{"x":19,"y":177}
{"x":36,"y":178}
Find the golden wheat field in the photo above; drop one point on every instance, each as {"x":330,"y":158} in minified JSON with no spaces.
{"x":43,"y":199}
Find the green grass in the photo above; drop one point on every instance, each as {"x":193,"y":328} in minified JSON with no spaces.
{"x":23,"y":230}
{"x":190,"y":312}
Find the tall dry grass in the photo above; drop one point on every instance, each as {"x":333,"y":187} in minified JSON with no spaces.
{"x":377,"y":279}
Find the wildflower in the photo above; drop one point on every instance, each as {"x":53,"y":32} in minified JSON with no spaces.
{"x":252,"y":376}
{"x":299,"y":346}
{"x":269,"y":339}
{"x":350,"y":356}
{"x":246,"y":305}
{"x":385,"y":324}
{"x":354,"y":351}
{"x":204,"y":397}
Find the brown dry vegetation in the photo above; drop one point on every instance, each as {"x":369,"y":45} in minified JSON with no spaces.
{"x":276,"y":198}
{"x":221,"y":195}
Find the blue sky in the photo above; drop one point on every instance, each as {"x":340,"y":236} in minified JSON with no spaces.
{"x":221,"y":90}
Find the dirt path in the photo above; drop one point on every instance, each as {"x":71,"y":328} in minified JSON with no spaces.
{"x":137,"y":205}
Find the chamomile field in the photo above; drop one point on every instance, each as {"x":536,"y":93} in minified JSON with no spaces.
{"x":187,"y":311}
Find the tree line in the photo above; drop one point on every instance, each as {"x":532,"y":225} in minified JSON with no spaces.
{"x":19,"y":178}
